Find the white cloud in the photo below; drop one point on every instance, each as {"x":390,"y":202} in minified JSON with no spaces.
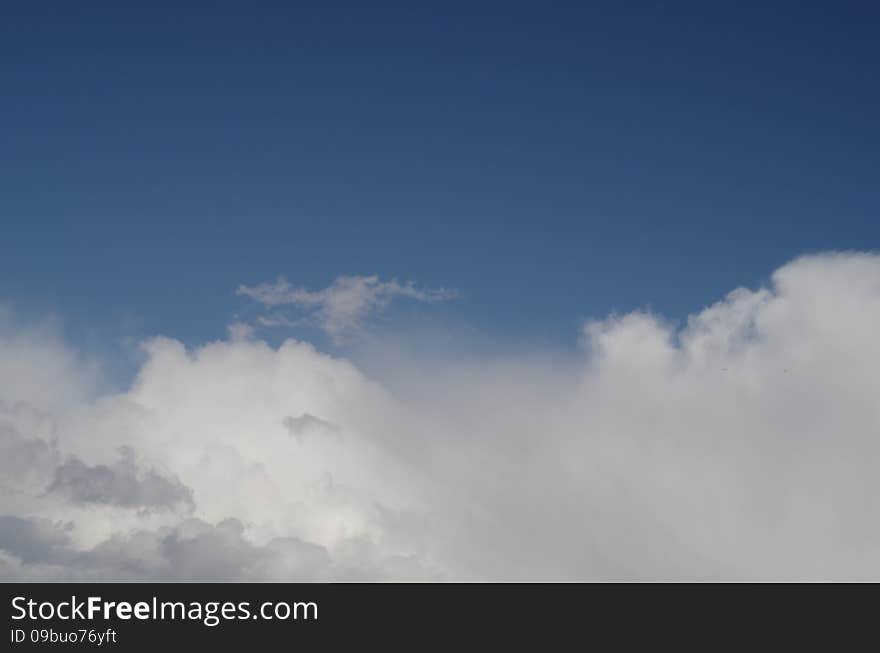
{"x":340,"y":308}
{"x":742,"y":445}
{"x":38,"y":369}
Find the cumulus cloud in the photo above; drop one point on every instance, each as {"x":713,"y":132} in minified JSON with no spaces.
{"x":739,"y":445}
{"x":340,"y":308}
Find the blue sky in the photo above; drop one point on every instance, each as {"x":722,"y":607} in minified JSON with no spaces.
{"x":550,"y":163}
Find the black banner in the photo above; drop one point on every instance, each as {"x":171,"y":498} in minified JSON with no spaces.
{"x":149,"y":616}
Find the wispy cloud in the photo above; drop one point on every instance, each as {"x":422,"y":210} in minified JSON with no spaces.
{"x":342,"y":307}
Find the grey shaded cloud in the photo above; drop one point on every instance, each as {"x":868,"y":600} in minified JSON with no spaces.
{"x":26,"y":458}
{"x":122,"y":484}
{"x":204,"y":552}
{"x":306,"y":423}
{"x":34,"y":540}
{"x":192,"y":550}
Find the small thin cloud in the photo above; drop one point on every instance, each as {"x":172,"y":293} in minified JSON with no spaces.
{"x":342,"y":307}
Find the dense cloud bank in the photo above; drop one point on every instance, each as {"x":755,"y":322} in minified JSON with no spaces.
{"x":742,"y":445}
